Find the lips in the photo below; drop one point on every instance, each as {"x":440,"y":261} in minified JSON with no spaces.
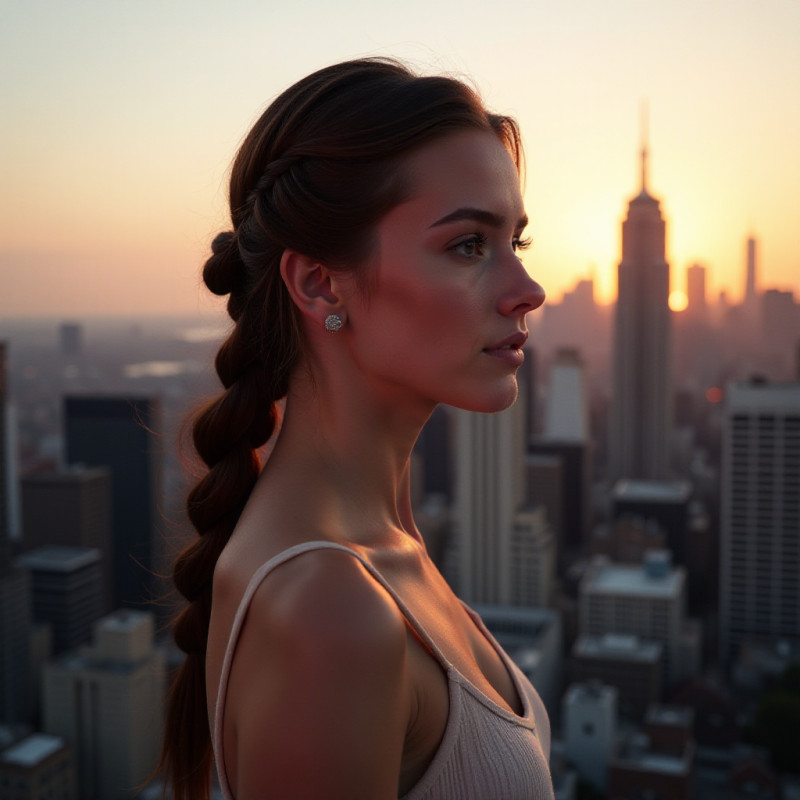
{"x":513,"y":342}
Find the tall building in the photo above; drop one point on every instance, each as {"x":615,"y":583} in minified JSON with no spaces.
{"x":14,"y":593}
{"x":70,"y":507}
{"x":121,"y":433}
{"x":106,"y":701}
{"x":696,"y":291}
{"x":647,"y":601}
{"x":750,"y":292}
{"x":67,"y":592}
{"x":641,"y":408}
{"x":760,"y":515}
{"x":590,"y":729}
{"x":489,"y":491}
{"x":38,"y":767}
{"x":566,"y":434}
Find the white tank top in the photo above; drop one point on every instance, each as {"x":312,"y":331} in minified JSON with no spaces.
{"x":487,"y":752}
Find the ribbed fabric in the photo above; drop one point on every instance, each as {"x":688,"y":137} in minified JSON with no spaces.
{"x":486,"y":753}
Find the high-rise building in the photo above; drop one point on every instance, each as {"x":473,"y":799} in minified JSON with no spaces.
{"x":566,"y":434}
{"x":590,"y":729}
{"x":121,"y":433}
{"x":641,"y":408}
{"x":106,"y":701}
{"x":67,"y":592}
{"x":647,"y":601}
{"x":14,"y":593}
{"x":36,"y":767}
{"x":760,"y":515}
{"x":750,"y":292}
{"x":489,"y":491}
{"x":696,"y":291}
{"x":70,"y":507}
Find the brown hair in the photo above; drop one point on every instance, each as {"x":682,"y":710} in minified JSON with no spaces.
{"x":315,"y":174}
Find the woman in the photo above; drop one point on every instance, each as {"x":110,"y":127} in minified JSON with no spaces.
{"x":373,"y":273}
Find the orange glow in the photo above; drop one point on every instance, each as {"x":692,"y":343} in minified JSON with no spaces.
{"x":678,"y":301}
{"x":714,"y":395}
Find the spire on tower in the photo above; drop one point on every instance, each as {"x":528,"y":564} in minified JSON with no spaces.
{"x":644,"y":133}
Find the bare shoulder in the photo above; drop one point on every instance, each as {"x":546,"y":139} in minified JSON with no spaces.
{"x":319,"y":677}
{"x":327,"y":598}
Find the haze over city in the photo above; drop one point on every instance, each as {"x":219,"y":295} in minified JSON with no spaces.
{"x":121,"y":121}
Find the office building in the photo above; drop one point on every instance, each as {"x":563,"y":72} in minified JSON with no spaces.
{"x":760,"y":515}
{"x":67,"y":592}
{"x":566,"y":434}
{"x":71,"y":508}
{"x":533,"y":559}
{"x":697,"y":306}
{"x":662,"y":503}
{"x":106,"y":700}
{"x":630,"y":665}
{"x":647,"y":601}
{"x":38,"y":767}
{"x":659,"y":760}
{"x":590,"y":730}
{"x":121,"y":434}
{"x":488,"y":493}
{"x":15,"y":615}
{"x":641,"y":407}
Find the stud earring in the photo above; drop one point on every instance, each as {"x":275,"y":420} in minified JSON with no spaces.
{"x":333,"y":323}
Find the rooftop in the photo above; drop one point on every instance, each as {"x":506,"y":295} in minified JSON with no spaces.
{"x":653,"y":491}
{"x":32,"y":750}
{"x":58,"y":558}
{"x":634,"y":581}
{"x":617,"y":646}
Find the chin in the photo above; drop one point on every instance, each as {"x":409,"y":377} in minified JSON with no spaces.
{"x":490,"y":403}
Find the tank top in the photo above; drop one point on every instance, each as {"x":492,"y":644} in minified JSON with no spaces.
{"x":487,"y":752}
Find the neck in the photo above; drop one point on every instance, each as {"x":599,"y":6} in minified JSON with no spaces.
{"x":350,"y":448}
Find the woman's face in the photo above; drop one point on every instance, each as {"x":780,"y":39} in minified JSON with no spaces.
{"x":444,"y":321}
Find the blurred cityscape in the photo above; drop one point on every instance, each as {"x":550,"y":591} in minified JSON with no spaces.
{"x":629,"y":530}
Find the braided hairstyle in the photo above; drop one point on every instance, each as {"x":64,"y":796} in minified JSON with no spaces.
{"x":315,"y":174}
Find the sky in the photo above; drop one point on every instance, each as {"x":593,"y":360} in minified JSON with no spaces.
{"x":120,"y":119}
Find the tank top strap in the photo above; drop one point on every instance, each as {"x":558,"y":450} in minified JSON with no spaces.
{"x":241,"y":612}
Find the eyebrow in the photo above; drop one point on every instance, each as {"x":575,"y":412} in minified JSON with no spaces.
{"x":478,"y":215}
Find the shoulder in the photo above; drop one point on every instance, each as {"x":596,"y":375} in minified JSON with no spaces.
{"x":320,"y":676}
{"x":327,"y":598}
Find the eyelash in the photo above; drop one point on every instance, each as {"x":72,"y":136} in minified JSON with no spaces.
{"x":480,"y":240}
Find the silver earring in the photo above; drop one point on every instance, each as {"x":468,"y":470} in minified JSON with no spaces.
{"x":333,"y":323}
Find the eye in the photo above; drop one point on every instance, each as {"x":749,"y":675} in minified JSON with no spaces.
{"x":521,"y":244}
{"x":472,"y":246}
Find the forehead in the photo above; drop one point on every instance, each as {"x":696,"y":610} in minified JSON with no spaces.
{"x":467,"y":168}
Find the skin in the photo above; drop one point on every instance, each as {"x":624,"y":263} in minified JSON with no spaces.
{"x":331,"y":693}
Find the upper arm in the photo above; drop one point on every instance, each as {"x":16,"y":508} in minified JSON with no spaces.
{"x":318,"y":700}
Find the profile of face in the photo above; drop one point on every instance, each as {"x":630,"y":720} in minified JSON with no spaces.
{"x":444,"y":321}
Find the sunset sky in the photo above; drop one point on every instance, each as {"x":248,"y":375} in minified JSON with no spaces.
{"x":120,"y":119}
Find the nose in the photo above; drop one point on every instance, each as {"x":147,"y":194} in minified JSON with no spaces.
{"x":524,"y":294}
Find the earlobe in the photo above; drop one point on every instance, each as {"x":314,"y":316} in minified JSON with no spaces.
{"x":311,"y":286}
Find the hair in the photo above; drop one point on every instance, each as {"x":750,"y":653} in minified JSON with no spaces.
{"x":318,"y":170}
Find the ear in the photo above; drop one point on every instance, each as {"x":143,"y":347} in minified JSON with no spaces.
{"x":314,"y":288}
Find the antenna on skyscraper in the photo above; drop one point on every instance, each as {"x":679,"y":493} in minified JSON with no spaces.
{"x":644,"y":120}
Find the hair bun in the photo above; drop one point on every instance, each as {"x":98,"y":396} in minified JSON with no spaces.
{"x":223,"y":273}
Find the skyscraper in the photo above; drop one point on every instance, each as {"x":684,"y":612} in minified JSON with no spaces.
{"x":14,"y":595}
{"x":760,"y":514}
{"x":489,"y":491}
{"x":642,"y":386}
{"x":67,"y":592}
{"x":750,"y":292}
{"x":120,"y":433}
{"x":70,"y":507}
{"x":106,"y":700}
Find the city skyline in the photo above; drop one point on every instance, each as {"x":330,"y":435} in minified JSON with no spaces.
{"x":122,"y":122}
